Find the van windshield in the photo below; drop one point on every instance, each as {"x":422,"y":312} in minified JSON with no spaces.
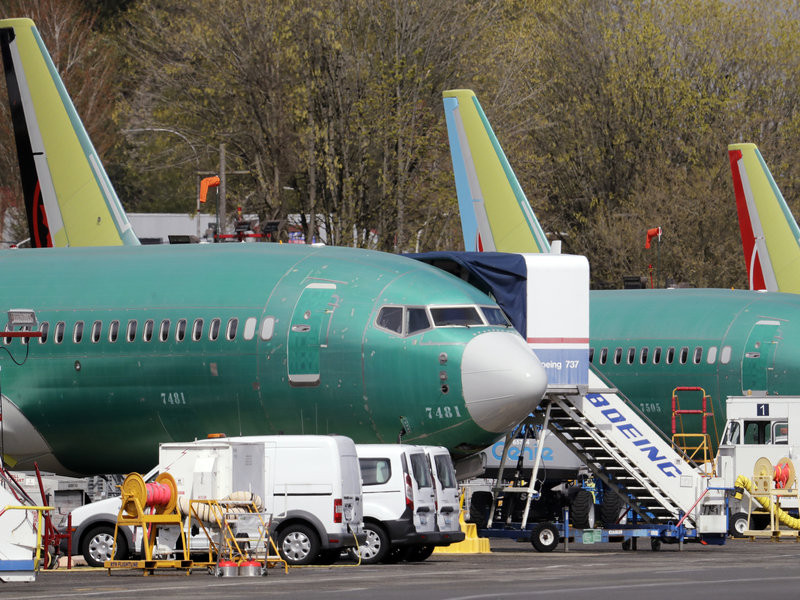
{"x":375,"y":471}
{"x":422,"y":474}
{"x":445,"y":472}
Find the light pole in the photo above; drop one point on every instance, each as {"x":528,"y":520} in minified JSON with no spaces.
{"x":194,"y":151}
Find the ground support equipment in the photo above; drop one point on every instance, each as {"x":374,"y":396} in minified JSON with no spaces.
{"x":243,"y":543}
{"x":768,"y":491}
{"x":17,"y":568}
{"x":669,"y":497}
{"x":51,"y":536}
{"x":149,"y":507}
{"x":697,"y":446}
{"x":545,"y":536}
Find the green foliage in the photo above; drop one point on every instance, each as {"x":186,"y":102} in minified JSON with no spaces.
{"x":615,"y":114}
{"x":641,"y":100}
{"x":334,"y":108}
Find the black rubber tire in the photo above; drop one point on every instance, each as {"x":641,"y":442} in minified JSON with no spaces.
{"x":759,"y":521}
{"x":298,"y":544}
{"x":738,"y":524}
{"x":328,"y":556}
{"x":544,"y":537}
{"x":655,"y":544}
{"x":98,"y":543}
{"x":395,"y":555}
{"x":627,"y":545}
{"x":581,"y":510}
{"x":419,"y":552}
{"x":610,"y":508}
{"x":480,"y":504}
{"x":376,"y":546}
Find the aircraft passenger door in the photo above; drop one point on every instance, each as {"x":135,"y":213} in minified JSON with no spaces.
{"x":308,"y":332}
{"x":759,"y":356}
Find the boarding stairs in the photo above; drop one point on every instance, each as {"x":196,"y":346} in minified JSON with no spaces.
{"x":621,"y":448}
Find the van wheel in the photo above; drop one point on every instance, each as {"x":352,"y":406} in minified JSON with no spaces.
{"x":395,"y":555}
{"x":298,"y":544}
{"x":376,"y":546}
{"x":98,"y":544}
{"x":419,"y":552}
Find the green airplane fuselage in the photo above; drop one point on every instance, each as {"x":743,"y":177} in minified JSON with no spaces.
{"x":305,"y":354}
{"x":728,"y":342}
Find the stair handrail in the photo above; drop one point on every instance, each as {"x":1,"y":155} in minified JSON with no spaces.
{"x":656,"y":429}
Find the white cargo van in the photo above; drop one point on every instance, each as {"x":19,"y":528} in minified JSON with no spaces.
{"x":310,"y":485}
{"x":400,"y":517}
{"x":448,"y":495}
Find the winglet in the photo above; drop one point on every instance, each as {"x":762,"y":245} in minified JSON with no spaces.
{"x":506,"y":222}
{"x":68,"y":197}
{"x":770,"y":236}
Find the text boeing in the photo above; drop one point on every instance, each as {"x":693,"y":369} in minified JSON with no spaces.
{"x":629,"y":431}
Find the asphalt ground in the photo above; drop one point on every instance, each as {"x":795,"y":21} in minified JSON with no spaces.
{"x":740,"y":569}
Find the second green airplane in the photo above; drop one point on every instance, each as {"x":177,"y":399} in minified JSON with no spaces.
{"x":644,"y":342}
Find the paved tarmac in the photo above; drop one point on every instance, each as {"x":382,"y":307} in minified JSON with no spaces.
{"x":740,"y":569}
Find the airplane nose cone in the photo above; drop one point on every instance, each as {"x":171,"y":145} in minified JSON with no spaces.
{"x":502,"y":380}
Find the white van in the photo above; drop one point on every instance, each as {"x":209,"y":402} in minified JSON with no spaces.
{"x":310,"y":485}
{"x":448,"y":494}
{"x":400,"y":517}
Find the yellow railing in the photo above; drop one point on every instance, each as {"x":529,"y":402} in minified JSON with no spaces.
{"x":39,"y":510}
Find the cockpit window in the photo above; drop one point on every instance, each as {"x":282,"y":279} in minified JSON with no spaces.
{"x":450,"y":316}
{"x":417,"y":320}
{"x":391,"y":318}
{"x":495,"y":316}
{"x":410,"y":320}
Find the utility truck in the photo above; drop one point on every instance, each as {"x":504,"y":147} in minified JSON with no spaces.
{"x":760,"y":434}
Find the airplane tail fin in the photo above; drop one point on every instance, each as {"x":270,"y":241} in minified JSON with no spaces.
{"x":69,"y":199}
{"x":506,"y":223}
{"x":770,"y":236}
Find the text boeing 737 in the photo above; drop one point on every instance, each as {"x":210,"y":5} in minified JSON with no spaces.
{"x":142,"y":345}
{"x":647,"y":342}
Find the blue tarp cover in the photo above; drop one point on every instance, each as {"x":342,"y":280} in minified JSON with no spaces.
{"x":503,"y":276}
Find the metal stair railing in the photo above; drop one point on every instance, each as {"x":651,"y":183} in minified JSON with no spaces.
{"x":648,"y":498}
{"x":617,"y":468}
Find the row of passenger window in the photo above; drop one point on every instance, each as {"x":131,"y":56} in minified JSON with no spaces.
{"x":149,"y":330}
{"x":684,"y":355}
